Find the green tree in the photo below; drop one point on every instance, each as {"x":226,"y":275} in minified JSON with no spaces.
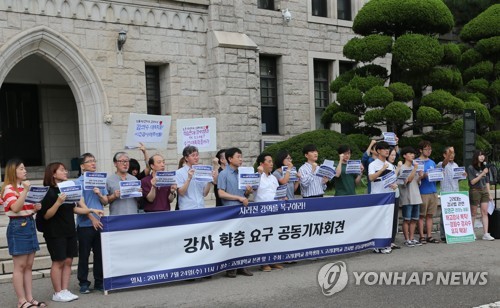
{"x":407,"y":29}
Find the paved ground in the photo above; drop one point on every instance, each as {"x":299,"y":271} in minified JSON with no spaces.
{"x":297,"y":285}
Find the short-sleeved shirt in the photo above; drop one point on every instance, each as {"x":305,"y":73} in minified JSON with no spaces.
{"x":267,"y":188}
{"x":62,"y":224}
{"x":378,"y":185}
{"x":161,"y":203}
{"x":290,"y":186}
{"x":409,"y":193}
{"x":10,"y":197}
{"x":448,"y":184}
{"x":228,"y":182}
{"x":427,"y":187}
{"x":91,"y":201}
{"x":345,"y":184}
{"x":193,"y":198}
{"x":120,"y":206}
{"x":473,"y":173}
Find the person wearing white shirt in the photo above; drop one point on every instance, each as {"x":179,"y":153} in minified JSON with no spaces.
{"x":266,"y":191}
{"x":191,"y":193}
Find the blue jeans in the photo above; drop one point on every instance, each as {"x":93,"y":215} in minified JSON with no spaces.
{"x":411,"y":211}
{"x":89,"y":240}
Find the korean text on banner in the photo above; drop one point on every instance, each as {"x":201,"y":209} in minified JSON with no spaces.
{"x":201,"y":133}
{"x":207,"y":241}
{"x":151,"y":130}
{"x":457,"y":217}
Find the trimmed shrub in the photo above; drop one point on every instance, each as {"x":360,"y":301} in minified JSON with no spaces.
{"x":349,"y":96}
{"x":345,"y":117}
{"x":326,"y":141}
{"x":428,"y":115}
{"x":397,"y":112}
{"x":445,"y":78}
{"x":416,"y":52}
{"x":366,"y":83}
{"x":341,"y":81}
{"x":368,"y":48}
{"x":483,"y":26}
{"x":372,"y":70}
{"x":483,"y":69}
{"x":489,"y":46}
{"x":493,"y":137}
{"x":374,"y":116}
{"x":478,"y":85}
{"x":326,"y":116}
{"x":495,"y":88}
{"x":401,"y":91}
{"x":378,"y":97}
{"x":470,"y":57}
{"x":482,"y":114}
{"x":393,"y":16}
{"x":444,"y":101}
{"x":452,"y":54}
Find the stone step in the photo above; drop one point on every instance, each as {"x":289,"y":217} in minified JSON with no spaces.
{"x":4,"y":253}
{"x":7,"y":278}
{"x":40,"y":263}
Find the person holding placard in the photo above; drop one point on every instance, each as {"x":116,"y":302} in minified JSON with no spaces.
{"x":134,"y":166}
{"x":368,"y":157}
{"x":21,"y":231}
{"x":479,"y":190}
{"x":311,"y":186}
{"x":393,"y":153}
{"x":89,"y":228}
{"x":118,"y":206}
{"x":449,"y":183}
{"x":59,"y":230}
{"x":428,"y":192}
{"x":156,"y":199}
{"x":378,"y":170}
{"x":283,"y":159}
{"x":220,"y":159}
{"x":192,"y":193}
{"x":409,"y":195}
{"x":266,"y":192}
{"x":231,"y":194}
{"x":345,"y":183}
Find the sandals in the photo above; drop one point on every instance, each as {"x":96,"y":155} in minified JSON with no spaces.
{"x":422,"y":240}
{"x":433,"y":240}
{"x":36,"y":303}
{"x":23,"y":305}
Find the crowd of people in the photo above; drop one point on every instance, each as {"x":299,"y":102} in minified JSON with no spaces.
{"x":67,"y":238}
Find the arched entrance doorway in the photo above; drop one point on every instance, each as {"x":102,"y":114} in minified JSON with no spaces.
{"x":40,"y":68}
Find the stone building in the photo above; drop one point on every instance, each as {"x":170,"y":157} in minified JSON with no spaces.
{"x":260,"y":67}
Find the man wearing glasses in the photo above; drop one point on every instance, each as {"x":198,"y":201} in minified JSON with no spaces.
{"x":191,"y":193}
{"x":89,"y":229}
{"x":119,"y":206}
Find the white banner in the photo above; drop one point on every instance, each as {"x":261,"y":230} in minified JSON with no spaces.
{"x":171,"y":246}
{"x":457,"y":217}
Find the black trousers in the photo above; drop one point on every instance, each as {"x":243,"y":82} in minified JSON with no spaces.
{"x":89,"y":240}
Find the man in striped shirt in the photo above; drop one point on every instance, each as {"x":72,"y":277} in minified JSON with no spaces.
{"x":311,"y":185}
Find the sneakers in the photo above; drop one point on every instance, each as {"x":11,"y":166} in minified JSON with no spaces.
{"x":84,"y":289}
{"x":70,"y":295}
{"x":409,"y":243}
{"x":64,"y":296}
{"x":488,"y":237}
{"x":416,"y":243}
{"x":386,"y":250}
